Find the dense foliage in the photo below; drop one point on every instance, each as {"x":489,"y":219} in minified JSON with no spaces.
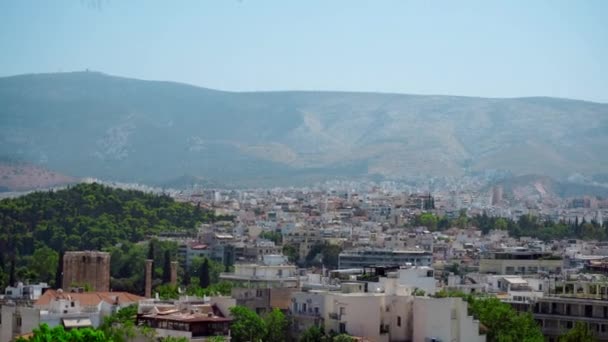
{"x":249,"y":326}
{"x":36,"y":228}
{"x":525,"y":225}
{"x":316,"y":334}
{"x":45,"y":334}
{"x":579,"y":333}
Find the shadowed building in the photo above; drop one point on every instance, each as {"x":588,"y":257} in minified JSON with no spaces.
{"x":87,"y":268}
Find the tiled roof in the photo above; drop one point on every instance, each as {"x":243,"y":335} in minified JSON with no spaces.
{"x":89,"y":298}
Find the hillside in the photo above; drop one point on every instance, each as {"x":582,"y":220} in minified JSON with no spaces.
{"x":91,"y":124}
{"x":35,"y":227}
{"x":23,"y":177}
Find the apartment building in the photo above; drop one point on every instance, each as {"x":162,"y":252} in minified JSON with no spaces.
{"x":520,"y":262}
{"x":389,"y":315}
{"x":361,"y":258}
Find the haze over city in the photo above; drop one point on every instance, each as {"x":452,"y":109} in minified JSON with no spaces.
{"x":314,"y":171}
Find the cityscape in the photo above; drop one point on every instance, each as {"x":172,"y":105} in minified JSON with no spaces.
{"x":269,"y":171}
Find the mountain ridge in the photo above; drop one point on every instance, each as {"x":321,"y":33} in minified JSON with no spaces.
{"x":92,"y":124}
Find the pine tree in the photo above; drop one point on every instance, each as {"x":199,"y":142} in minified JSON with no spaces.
{"x":151,"y":253}
{"x":204,"y":276}
{"x":59,"y":273}
{"x":167,"y":268}
{"x":11,"y":277}
{"x":186,"y":279}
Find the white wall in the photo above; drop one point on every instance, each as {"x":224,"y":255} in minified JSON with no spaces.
{"x":445,"y":319}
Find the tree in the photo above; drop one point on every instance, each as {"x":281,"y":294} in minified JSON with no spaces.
{"x":343,"y":338}
{"x":167,"y":291}
{"x":44,"y":263}
{"x":167,"y":268}
{"x":291,"y":252}
{"x":246,"y":325}
{"x":204,"y":274}
{"x":418,"y":292}
{"x":579,"y":333}
{"x":12,"y":279}
{"x":429,"y":220}
{"x":312,"y":334}
{"x":503,"y":323}
{"x":44,"y":334}
{"x":500,"y":224}
{"x":151,"y":252}
{"x":276,"y":326}
{"x":59,"y":272}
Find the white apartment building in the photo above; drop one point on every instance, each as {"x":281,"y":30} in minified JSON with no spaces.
{"x":386,"y":313}
{"x":444,"y":320}
{"x":275,"y":271}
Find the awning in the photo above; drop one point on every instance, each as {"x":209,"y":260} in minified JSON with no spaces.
{"x":518,"y":281}
{"x":77,"y":322}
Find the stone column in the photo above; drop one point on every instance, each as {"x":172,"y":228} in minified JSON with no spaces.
{"x":174,"y":273}
{"x":148,"y":280}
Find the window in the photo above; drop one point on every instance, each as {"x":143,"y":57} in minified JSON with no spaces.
{"x":398,"y":321}
{"x":18,"y":320}
{"x":342,"y":328}
{"x":72,"y":303}
{"x":259,"y":293}
{"x":569,"y":324}
{"x":316,"y":310}
{"x":342,"y":310}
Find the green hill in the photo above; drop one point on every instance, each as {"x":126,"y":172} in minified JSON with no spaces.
{"x":36,"y":227}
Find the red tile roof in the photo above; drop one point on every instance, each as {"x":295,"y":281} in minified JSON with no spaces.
{"x":89,"y":298}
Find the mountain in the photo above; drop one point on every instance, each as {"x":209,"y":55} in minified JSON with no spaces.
{"x":543,"y":187}
{"x":16,"y":176}
{"x":92,"y":124}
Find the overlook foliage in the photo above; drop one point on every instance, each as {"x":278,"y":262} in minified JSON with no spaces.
{"x":41,"y":225}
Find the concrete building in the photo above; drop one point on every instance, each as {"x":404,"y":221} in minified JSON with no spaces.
{"x":87,"y":269}
{"x":71,"y":310}
{"x":520,"y":262}
{"x":273,"y":272}
{"x":21,"y":291}
{"x":557,"y":315}
{"x":444,"y":319}
{"x":196,"y":319}
{"x":362,"y":258}
{"x":383,"y":314}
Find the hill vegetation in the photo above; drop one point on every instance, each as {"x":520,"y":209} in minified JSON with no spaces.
{"x":36,"y":228}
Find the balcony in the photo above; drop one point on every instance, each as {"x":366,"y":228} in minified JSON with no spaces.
{"x":309,"y":313}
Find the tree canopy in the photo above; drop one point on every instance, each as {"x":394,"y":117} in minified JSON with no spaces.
{"x":34,"y":227}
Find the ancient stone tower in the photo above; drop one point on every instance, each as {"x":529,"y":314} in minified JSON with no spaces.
{"x":88,"y":268}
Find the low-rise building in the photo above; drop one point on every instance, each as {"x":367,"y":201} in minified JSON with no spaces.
{"x":361,"y":258}
{"x":71,"y":310}
{"x":196,"y":319}
{"x":520,"y":262}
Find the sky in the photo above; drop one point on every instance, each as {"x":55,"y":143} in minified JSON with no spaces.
{"x":474,"y":48}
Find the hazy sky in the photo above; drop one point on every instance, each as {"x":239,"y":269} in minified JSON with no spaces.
{"x":478,"y":48}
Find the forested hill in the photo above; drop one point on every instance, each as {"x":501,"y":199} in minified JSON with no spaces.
{"x":85,"y":217}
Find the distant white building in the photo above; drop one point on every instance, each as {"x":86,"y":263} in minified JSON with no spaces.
{"x":21,"y":291}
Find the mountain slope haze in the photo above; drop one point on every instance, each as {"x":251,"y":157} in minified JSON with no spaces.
{"x":92,"y":124}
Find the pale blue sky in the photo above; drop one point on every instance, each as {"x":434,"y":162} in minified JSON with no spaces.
{"x":476,"y":48}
